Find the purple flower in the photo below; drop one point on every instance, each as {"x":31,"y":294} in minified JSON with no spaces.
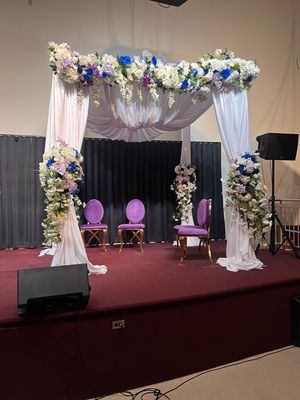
{"x":147,"y":79}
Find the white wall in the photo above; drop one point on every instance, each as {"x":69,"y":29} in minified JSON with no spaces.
{"x":267,"y":31}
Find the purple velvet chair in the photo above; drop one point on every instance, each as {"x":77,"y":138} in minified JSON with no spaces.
{"x":201,"y":230}
{"x":135,"y":212}
{"x":93,"y":213}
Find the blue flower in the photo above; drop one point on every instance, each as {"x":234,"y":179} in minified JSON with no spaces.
{"x":225,"y":73}
{"x":88,"y":75}
{"x":79,"y":69}
{"x":154,"y":60}
{"x":184,"y":84}
{"x":72,"y":167}
{"x":76,"y":153}
{"x":205,"y":70}
{"x":125,"y":60}
{"x":105,"y":74}
{"x":241,"y":169}
{"x":195,"y":72}
{"x":250,"y":78}
{"x":50,"y":162}
{"x":247,"y":155}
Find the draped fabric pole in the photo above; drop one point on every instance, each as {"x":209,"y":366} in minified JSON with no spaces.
{"x":231,"y":109}
{"x":66,"y":121}
{"x":185,"y":158}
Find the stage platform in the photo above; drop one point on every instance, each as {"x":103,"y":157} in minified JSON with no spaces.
{"x":179,"y":319}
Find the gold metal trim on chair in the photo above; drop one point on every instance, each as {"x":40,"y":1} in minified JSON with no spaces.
{"x":94,"y":235}
{"x":203,"y":239}
{"x":137,"y":233}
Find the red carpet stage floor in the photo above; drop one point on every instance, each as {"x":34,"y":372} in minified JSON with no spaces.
{"x":179,"y":319}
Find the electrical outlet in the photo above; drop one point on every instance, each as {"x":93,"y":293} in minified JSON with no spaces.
{"x":120,"y":324}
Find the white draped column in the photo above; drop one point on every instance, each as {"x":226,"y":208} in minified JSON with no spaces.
{"x":231,"y":107}
{"x":185,"y":158}
{"x":67,"y":121}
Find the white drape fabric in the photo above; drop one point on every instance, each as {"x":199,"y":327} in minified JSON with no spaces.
{"x":231,"y":108}
{"x":67,"y":121}
{"x":142,"y":118}
{"x":185,"y":158}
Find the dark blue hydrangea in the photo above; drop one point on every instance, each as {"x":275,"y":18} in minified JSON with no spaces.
{"x":79,"y":69}
{"x":105,"y":75}
{"x":250,"y":78}
{"x":72,"y":167}
{"x":125,"y":60}
{"x":195,"y":72}
{"x":241,"y":170}
{"x":205,"y":71}
{"x":247,"y":155}
{"x":49,"y":162}
{"x":225,"y":73}
{"x":184,"y":84}
{"x":154,"y":61}
{"x":88,"y":75}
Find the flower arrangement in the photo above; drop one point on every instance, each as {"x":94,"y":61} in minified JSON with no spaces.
{"x":220,"y":69}
{"x":60,"y":173}
{"x":184,"y":185}
{"x":247,"y":194}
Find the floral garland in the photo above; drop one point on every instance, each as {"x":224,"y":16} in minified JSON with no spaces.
{"x":60,"y":173}
{"x":220,"y":70}
{"x":184,"y":185}
{"x":247,"y":194}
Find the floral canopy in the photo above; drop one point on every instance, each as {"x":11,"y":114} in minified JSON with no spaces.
{"x":139,"y":98}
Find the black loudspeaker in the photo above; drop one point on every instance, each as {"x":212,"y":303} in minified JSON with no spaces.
{"x":176,"y":3}
{"x":54,"y":289}
{"x":295,"y":320}
{"x":277,"y":146}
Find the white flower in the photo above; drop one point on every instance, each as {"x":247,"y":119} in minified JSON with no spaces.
{"x":59,"y":173}
{"x":246,"y":194}
{"x":195,"y":77}
{"x":184,"y":185}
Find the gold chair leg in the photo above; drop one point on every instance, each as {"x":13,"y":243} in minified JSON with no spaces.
{"x":183,"y":247}
{"x":141,"y":240}
{"x":104,"y":239}
{"x":209,"y":251}
{"x":120,"y":236}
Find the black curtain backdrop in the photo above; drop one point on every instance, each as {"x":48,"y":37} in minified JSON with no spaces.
{"x":115,"y":172}
{"x":21,"y":197}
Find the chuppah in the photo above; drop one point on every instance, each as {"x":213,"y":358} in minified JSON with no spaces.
{"x":138,"y":99}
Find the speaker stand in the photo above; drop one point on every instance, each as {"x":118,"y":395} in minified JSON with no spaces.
{"x":274,"y":217}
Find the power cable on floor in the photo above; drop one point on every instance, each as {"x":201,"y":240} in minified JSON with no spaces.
{"x":157,"y":394}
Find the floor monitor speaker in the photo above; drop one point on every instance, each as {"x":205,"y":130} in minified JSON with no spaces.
{"x":277,"y":146}
{"x":53,"y":289}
